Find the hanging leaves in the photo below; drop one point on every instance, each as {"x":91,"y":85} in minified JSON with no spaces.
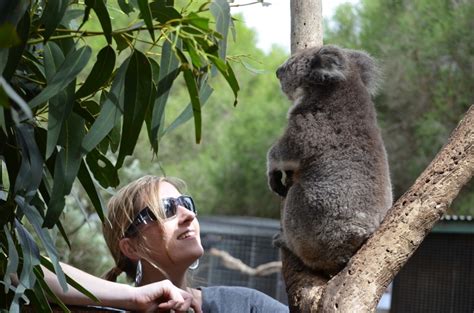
{"x":70,"y":113}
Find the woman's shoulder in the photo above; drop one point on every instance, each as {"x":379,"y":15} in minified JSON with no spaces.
{"x":231,"y":299}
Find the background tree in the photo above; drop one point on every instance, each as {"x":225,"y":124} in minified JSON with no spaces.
{"x":57,"y":126}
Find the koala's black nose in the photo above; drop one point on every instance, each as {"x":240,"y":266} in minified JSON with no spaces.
{"x":279,"y":72}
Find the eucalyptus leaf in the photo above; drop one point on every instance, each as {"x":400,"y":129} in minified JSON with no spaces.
{"x":36,"y":220}
{"x":31,"y":257}
{"x":15,"y":53}
{"x":125,"y":6}
{"x":112,"y":110}
{"x":103,"y":170}
{"x":196,"y":104}
{"x":198,"y":21}
{"x":204,"y":93}
{"x":228,"y":73}
{"x":69,"y":69}
{"x":12,"y":264}
{"x":145,"y":13}
{"x":137,"y":97}
{"x":30,"y":172}
{"x":52,"y":16}
{"x":163,"y":12}
{"x":60,"y":107}
{"x":114,"y":137}
{"x":121,"y":41}
{"x":100,"y":10}
{"x":70,"y":16}
{"x":195,"y":58}
{"x":220,"y":9}
{"x":169,"y":69}
{"x":155,"y":69}
{"x":68,"y":161}
{"x":53,"y":57}
{"x":34,"y":65}
{"x":100,"y":74}
{"x":39,"y":299}
{"x":85,"y":178}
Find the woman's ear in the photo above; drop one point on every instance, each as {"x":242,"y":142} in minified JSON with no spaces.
{"x":127,"y":246}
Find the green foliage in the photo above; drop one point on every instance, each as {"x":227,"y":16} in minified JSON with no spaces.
{"x":426,"y":50}
{"x":69,"y":100}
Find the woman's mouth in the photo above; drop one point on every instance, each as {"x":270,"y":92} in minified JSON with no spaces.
{"x":186,"y":234}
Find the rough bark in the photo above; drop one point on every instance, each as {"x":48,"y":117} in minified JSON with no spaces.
{"x":306,"y":24}
{"x":359,"y":286}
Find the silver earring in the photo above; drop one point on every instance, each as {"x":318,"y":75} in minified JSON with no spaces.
{"x":138,"y":273}
{"x":195,"y":265}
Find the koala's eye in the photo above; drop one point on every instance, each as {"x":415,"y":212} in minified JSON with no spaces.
{"x":335,"y":60}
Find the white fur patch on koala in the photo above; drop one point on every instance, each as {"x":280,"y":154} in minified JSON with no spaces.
{"x":296,"y":97}
{"x":285,"y":165}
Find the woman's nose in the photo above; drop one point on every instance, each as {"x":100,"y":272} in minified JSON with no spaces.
{"x":185,"y":214}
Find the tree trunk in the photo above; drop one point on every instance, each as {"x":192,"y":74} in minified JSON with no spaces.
{"x":306,"y":24}
{"x":359,"y":286}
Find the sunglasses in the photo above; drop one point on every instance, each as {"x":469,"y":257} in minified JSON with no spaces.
{"x":170,"y":206}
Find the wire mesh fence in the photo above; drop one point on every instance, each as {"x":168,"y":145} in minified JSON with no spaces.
{"x":248,"y":240}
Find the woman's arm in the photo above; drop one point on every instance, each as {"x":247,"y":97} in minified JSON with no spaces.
{"x":162,"y":294}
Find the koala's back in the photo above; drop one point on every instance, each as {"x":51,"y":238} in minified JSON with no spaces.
{"x":342,"y":189}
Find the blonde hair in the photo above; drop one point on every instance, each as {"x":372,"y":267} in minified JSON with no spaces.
{"x":122,"y":209}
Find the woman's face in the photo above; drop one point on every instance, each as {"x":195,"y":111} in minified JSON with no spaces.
{"x":178,"y":242}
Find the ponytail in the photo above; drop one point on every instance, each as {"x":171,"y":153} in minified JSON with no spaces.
{"x":113,"y":274}
{"x":124,"y":265}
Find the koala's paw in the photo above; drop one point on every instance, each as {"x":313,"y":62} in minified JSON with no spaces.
{"x":328,"y":65}
{"x":276,"y":184}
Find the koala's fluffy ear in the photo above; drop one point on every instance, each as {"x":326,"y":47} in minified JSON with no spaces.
{"x":369,"y":71}
{"x":325,"y":65}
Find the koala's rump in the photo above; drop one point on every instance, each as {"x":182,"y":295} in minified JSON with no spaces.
{"x":327,"y":221}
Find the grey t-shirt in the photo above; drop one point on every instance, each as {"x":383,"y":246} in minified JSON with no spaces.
{"x":230,"y":299}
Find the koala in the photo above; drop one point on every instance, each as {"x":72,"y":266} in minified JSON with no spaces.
{"x":330,"y":165}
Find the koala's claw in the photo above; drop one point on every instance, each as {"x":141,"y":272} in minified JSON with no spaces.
{"x":278,"y":240}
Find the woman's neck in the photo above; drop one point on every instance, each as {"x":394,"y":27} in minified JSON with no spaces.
{"x":152,"y":274}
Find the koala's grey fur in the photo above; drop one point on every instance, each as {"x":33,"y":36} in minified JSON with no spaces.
{"x":337,"y":188}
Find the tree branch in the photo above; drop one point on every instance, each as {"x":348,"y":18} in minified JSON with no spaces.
{"x":233,"y":263}
{"x":359,"y":286}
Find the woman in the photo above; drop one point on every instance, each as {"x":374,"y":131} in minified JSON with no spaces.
{"x":153,"y":235}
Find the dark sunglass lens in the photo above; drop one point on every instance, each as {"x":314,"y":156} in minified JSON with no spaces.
{"x":188,"y":203}
{"x":169,"y":206}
